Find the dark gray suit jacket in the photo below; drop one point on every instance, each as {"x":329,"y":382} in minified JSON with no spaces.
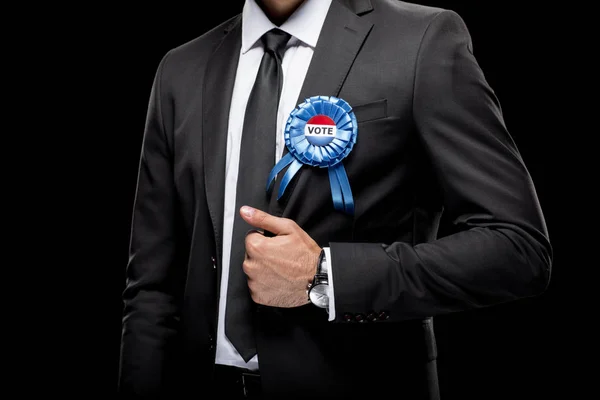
{"x":431,"y":139}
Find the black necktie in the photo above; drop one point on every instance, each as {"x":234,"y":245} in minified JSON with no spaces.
{"x":257,"y":157}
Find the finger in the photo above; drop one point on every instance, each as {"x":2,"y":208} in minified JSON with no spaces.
{"x":253,"y":242}
{"x":262,"y":220}
{"x":247,"y":268}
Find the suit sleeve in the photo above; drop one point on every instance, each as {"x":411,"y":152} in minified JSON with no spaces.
{"x":150,"y":295}
{"x":500,"y":250}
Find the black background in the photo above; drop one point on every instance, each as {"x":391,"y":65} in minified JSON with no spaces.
{"x":522,"y":350}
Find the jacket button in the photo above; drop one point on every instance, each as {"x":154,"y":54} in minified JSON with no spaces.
{"x":360,"y":318}
{"x":214,"y":262}
{"x":348,"y":317}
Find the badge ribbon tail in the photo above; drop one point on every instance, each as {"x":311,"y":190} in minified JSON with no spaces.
{"x":341,"y":193}
{"x":284,"y":162}
{"x":340,"y":189}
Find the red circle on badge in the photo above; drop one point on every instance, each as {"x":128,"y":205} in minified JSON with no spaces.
{"x":320,"y":120}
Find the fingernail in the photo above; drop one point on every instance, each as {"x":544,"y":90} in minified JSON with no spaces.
{"x":248,"y":211}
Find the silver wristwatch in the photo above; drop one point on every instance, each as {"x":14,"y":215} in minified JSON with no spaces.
{"x":318,"y":290}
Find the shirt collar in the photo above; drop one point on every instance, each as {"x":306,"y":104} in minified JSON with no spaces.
{"x":304,"y":24}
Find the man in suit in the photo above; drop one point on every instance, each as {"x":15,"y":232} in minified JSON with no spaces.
{"x":210,"y":310}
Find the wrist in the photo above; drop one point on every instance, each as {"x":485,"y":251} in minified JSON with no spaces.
{"x":315,"y":262}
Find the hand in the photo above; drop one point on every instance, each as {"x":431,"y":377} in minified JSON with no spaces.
{"x":278,"y":268}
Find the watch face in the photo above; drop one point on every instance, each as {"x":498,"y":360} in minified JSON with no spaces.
{"x":319,"y":295}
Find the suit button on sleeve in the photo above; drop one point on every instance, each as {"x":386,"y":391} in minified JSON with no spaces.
{"x":372,"y":317}
{"x":348,"y":317}
{"x":383,"y":315}
{"x":360,"y":318}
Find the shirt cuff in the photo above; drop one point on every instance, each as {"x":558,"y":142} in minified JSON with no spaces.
{"x":331,"y":307}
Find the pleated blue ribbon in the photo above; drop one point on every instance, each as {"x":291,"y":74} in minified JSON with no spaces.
{"x":320,"y":132}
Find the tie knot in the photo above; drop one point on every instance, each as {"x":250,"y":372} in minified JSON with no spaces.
{"x":274,"y":42}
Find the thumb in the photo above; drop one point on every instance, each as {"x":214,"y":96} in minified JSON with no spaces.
{"x":267,"y":222}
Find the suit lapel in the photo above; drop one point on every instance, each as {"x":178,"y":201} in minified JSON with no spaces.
{"x":219,"y":79}
{"x":341,"y":38}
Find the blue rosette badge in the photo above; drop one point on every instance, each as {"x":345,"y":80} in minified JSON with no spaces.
{"x":320,"y":132}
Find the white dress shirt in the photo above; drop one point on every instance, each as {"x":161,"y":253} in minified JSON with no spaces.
{"x":304,"y":26}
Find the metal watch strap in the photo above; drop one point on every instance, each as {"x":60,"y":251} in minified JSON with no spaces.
{"x":320,"y":262}
{"x":321,"y":277}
